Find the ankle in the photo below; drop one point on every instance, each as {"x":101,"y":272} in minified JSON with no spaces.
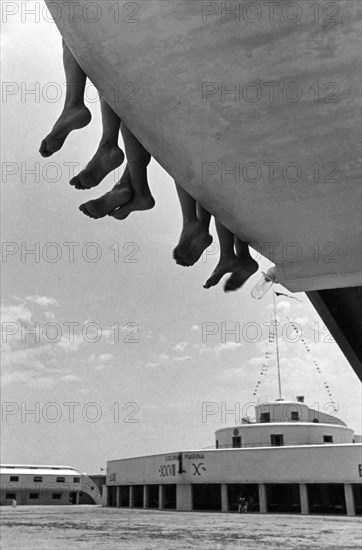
{"x":106,"y":143}
{"x":74,"y":104}
{"x":224,"y":258}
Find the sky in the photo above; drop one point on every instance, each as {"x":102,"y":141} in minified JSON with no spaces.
{"x":110,"y":349}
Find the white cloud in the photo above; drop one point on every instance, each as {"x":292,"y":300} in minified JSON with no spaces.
{"x":228,"y":346}
{"x":180,"y":346}
{"x":105,"y":357}
{"x":182,"y":358}
{"x":42,"y":301}
{"x":69,"y":378}
{"x":15,"y":313}
{"x":151,"y":365}
{"x":49,"y":315}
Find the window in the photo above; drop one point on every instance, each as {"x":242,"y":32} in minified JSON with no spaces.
{"x":236,"y":441}
{"x":295,"y":415}
{"x":38,"y":479}
{"x":11,"y":495}
{"x":56,"y":496}
{"x":14,"y":478}
{"x":60,"y":479}
{"x":276,"y":440}
{"x":76,"y":479}
{"x":328,"y":439}
{"x":33,"y":496}
{"x":265,"y":417}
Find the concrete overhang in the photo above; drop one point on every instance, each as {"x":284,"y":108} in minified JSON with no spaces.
{"x":194,"y":85}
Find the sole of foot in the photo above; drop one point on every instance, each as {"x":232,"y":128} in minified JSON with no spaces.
{"x":99,"y":208}
{"x":193,"y":242}
{"x":136,"y":204}
{"x":240,"y":276}
{"x":73,"y":118}
{"x":104,"y":161}
{"x":229,"y":265}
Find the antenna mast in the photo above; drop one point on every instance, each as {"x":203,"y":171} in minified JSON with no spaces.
{"x":277,"y":346}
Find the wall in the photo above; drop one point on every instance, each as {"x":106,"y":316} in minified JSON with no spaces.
{"x":310,"y":464}
{"x":294,"y":434}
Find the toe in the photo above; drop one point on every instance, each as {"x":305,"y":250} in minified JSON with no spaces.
{"x":43,"y":149}
{"x":228,"y":288}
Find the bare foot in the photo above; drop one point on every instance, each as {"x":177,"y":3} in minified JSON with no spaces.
{"x":137,"y":203}
{"x":72,"y":118}
{"x":241,"y":275}
{"x":106,"y":204}
{"x":193,"y":241}
{"x":104,"y":161}
{"x":118,"y":196}
{"x":227,"y":265}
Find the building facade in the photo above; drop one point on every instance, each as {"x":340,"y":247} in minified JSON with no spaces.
{"x":291,"y":459}
{"x":56,"y":485}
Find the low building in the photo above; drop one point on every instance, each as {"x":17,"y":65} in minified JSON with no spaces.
{"x":291,"y":459}
{"x":28,"y":484}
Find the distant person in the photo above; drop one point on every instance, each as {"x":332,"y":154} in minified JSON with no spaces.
{"x":14,"y":503}
{"x":245,"y":506}
{"x":241,"y":503}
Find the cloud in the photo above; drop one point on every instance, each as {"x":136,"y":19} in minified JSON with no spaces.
{"x":180,"y":346}
{"x":15,"y":313}
{"x":182,"y":358}
{"x":228,"y":346}
{"x":151,"y":365}
{"x":105,"y":357}
{"x":102,"y":361}
{"x":42,"y":301}
{"x":69,"y":378}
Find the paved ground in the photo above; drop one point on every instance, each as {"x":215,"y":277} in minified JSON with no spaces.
{"x":96,"y":528}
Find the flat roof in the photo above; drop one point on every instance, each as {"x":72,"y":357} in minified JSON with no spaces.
{"x":12,"y":469}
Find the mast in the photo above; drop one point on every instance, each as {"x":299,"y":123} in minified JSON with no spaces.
{"x":277,"y":347}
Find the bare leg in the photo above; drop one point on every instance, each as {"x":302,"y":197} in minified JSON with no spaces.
{"x":195,"y":237}
{"x":120,"y":195}
{"x":228,"y":260}
{"x":75,"y":114}
{"x":241,"y":267}
{"x":249,"y":267}
{"x":108,"y":155}
{"x":138,"y":159}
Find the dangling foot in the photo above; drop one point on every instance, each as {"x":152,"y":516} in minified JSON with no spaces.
{"x":72,"y":118}
{"x":138,"y":203}
{"x":194,"y":239}
{"x":98,"y":208}
{"x":106,"y":159}
{"x":118,"y":196}
{"x":241,"y":275}
{"x":230,"y":264}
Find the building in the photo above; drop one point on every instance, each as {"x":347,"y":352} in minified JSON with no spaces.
{"x":291,"y":459}
{"x":55,"y":485}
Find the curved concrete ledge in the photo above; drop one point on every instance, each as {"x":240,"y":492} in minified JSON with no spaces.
{"x":195,"y":85}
